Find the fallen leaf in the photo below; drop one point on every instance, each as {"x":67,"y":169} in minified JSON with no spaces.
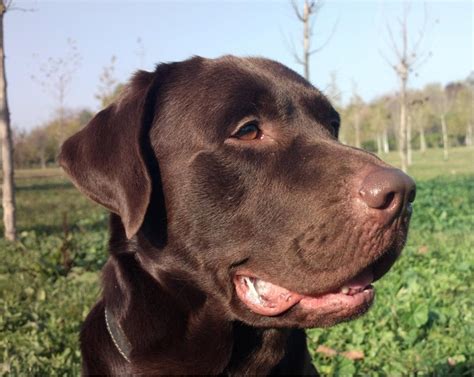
{"x":353,"y":355}
{"x":423,"y":249}
{"x":326,"y":351}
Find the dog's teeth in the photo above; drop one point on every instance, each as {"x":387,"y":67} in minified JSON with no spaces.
{"x":345,"y":290}
{"x":252,"y":292}
{"x":261,"y":287}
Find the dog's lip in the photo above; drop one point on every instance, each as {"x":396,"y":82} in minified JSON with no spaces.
{"x":268,"y":299}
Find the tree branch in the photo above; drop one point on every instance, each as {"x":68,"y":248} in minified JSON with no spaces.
{"x":333,"y":31}
{"x":387,"y":60}
{"x":421,"y":35}
{"x":298,"y":59}
{"x":314,"y":6}
{"x":297,"y":12}
{"x":393,"y":43}
{"x":9,"y":6}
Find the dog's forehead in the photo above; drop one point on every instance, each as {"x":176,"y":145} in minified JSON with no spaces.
{"x":257,"y":66}
{"x":209,"y":97}
{"x":249,"y":83}
{"x":274,"y":80}
{"x":264,"y":72}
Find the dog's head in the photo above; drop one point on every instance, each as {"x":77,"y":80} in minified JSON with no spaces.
{"x":231,"y":171}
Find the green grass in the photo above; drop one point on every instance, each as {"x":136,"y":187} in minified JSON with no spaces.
{"x":43,"y":296}
{"x":431,"y":164}
{"x":421,"y":323}
{"x":38,"y":173}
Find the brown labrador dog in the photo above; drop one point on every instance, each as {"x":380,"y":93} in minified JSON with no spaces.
{"x":238,"y":220}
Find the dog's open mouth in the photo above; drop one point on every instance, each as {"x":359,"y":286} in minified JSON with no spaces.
{"x":268,"y":299}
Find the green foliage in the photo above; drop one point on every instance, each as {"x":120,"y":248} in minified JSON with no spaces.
{"x":40,"y":146}
{"x":425,"y":107}
{"x":421,"y":323}
{"x":370,"y":145}
{"x":49,"y":279}
{"x":431,"y":164}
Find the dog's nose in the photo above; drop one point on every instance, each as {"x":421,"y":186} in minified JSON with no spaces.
{"x":390,"y":191}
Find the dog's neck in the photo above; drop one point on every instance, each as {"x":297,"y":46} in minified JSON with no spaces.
{"x":166,"y":319}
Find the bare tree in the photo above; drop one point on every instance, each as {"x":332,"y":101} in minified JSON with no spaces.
{"x":333,"y":92}
{"x":379,"y":118}
{"x":444,"y":131}
{"x":385,"y":143}
{"x":441,"y":101}
{"x":107,"y":83}
{"x":334,"y":95}
{"x":357,"y":112}
{"x":40,"y":141}
{"x":310,"y":10}
{"x":56,"y":77}
{"x":417,"y":111}
{"x":407,"y":58}
{"x":468,"y":140}
{"x":8,"y":191}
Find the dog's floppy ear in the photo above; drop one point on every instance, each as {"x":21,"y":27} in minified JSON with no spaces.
{"x":105,"y":159}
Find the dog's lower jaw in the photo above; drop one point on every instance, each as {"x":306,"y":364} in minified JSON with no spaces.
{"x":205,"y":343}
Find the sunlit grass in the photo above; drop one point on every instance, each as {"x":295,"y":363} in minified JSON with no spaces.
{"x":431,"y":164}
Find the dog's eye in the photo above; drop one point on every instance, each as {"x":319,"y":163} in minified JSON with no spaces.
{"x":249,"y":131}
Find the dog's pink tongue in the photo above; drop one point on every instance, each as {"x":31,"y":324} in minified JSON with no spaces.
{"x":268,"y":299}
{"x":263,"y":297}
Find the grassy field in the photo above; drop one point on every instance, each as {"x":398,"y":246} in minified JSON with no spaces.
{"x":431,"y":164}
{"x":421,"y":324}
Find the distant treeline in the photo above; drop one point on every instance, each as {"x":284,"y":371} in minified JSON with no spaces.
{"x":434,"y":111}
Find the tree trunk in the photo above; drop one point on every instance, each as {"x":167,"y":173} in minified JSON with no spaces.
{"x":422,"y":139}
{"x":402,"y":135}
{"x":8,"y":193}
{"x":468,"y":139}
{"x":61,"y":113}
{"x":43,"y":158}
{"x":379,"y":143}
{"x":444,"y":130}
{"x":61,"y":133}
{"x":306,"y":36}
{"x":357,"y":130}
{"x":386,"y":146}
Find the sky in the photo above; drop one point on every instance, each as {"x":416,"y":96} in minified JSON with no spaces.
{"x":356,"y":54}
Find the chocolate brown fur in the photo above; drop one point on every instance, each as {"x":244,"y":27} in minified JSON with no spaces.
{"x":189,"y":207}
